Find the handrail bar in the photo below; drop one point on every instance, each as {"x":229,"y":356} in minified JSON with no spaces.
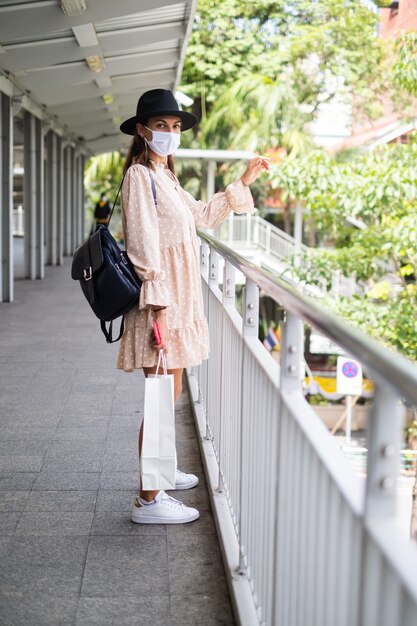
{"x":396,"y":371}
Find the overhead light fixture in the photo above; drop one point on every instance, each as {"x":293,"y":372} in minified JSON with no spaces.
{"x":117,"y":120}
{"x":85,"y":35}
{"x":95,"y":63}
{"x":73,"y":7}
{"x":108,"y":98}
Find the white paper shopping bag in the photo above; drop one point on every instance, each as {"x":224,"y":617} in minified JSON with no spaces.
{"x":158,"y":458}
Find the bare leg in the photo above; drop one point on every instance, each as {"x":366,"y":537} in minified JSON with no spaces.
{"x":177,"y":373}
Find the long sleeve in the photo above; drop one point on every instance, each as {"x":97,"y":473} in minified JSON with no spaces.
{"x":237,"y":198}
{"x":141,"y":233}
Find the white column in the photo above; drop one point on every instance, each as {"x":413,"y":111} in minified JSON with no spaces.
{"x":73,"y":191}
{"x":79,"y":204}
{"x":67,"y":202}
{"x":40,"y":198}
{"x":59,"y":202}
{"x":51,"y":222}
{"x":82,"y":192}
{"x":29,"y":189}
{"x":6,"y":198}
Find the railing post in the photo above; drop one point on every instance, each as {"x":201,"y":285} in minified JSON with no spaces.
{"x":250,"y":317}
{"x":204,"y":269}
{"x":291,"y":353}
{"x":213,"y":276}
{"x":228,"y":284}
{"x":251,"y":309}
{"x":204,"y":259}
{"x":383,"y":446}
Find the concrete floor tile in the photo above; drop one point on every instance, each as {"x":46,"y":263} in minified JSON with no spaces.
{"x":123,"y":433}
{"x":203,"y":526}
{"x":119,"y":480}
{"x":13,"y":500}
{"x":15,"y":432}
{"x":21,"y":463}
{"x":94,"y":434}
{"x":9,"y":522}
{"x":54,"y":523}
{"x":17,"y":481}
{"x":197,"y":497}
{"x":43,"y":565}
{"x":73,"y":459}
{"x":66,"y":481}
{"x":89,"y":403}
{"x":126,"y":611}
{"x":119,"y":523}
{"x":84,"y":420}
{"x":195,"y":564}
{"x":201,"y":610}
{"x":126,"y":566}
{"x":123,"y":447}
{"x":23,"y":447}
{"x":190,"y":462}
{"x":73,"y":501}
{"x":115,"y":500}
{"x":18,"y":609}
{"x":121,"y":461}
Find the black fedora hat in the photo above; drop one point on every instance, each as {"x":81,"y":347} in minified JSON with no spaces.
{"x":157,"y":102}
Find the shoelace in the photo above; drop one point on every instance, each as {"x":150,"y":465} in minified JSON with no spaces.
{"x":172,"y":501}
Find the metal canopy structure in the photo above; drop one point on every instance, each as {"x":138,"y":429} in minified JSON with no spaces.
{"x":82,"y":64}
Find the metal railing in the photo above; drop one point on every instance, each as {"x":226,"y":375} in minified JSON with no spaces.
{"x":306,"y":542}
{"x":253,"y":232}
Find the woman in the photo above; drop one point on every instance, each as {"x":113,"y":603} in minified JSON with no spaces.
{"x":159,"y":225}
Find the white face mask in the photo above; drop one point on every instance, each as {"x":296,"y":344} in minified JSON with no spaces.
{"x":163,"y":143}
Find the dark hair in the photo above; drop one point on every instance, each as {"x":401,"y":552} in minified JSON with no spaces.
{"x":138,"y":151}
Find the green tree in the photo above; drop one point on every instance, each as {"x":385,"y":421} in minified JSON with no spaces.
{"x":365,"y":214}
{"x":314,"y":48}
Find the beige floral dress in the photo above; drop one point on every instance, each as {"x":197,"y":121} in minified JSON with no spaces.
{"x":162,"y":244}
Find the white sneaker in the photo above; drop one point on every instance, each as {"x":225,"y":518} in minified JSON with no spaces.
{"x":185,"y":481}
{"x":162,"y":510}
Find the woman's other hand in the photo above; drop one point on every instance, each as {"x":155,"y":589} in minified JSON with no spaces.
{"x":161,"y":320}
{"x":254,"y":168}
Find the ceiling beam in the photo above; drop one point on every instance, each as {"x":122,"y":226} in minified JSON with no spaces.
{"x":39,"y":55}
{"x":30,"y":20}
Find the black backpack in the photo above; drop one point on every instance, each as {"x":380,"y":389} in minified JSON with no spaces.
{"x":107,"y":276}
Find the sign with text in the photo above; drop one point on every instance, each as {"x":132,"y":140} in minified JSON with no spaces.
{"x":349,"y":376}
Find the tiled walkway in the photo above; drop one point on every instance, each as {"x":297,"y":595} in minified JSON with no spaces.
{"x":69,"y":554}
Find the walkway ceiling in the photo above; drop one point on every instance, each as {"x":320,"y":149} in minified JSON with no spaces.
{"x":82,"y":64}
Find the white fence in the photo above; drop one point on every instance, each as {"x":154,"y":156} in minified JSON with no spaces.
{"x":253,"y":232}
{"x":305,"y":541}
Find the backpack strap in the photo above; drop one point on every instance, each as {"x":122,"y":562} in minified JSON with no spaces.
{"x":108,"y":333}
{"x":153,"y":187}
